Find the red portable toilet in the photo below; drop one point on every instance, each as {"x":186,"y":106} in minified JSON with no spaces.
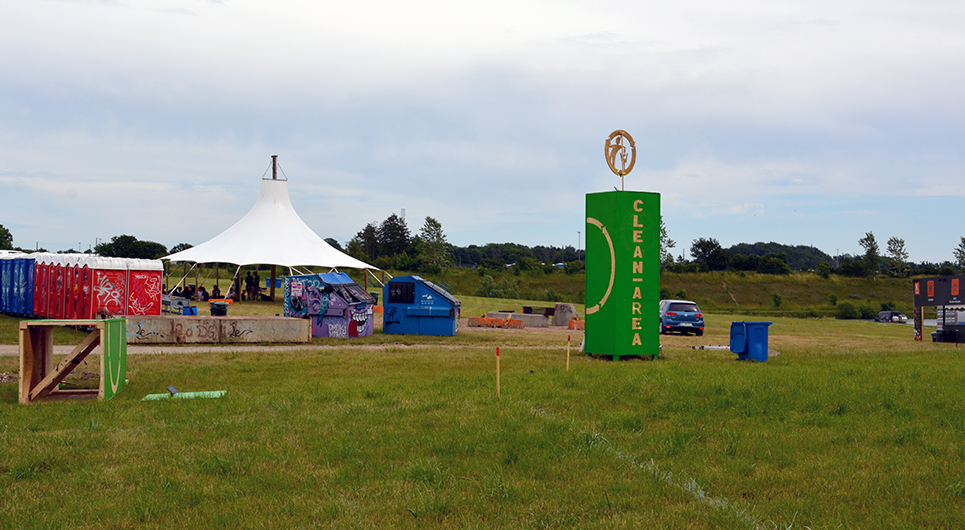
{"x":108,"y":286}
{"x":40,"y":284}
{"x":55,"y":286}
{"x":144,"y":286}
{"x":84,"y":289}
{"x":70,"y":286}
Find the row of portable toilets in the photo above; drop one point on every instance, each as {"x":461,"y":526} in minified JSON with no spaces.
{"x":78,"y":286}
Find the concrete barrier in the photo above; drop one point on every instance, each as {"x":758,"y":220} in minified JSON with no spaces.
{"x":216,"y":330}
{"x":529,"y":320}
{"x":486,"y":322}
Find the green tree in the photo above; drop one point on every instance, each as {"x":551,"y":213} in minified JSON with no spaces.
{"x":871,"y":255}
{"x":365,"y":244}
{"x":6,"y":239}
{"x":709,"y":254}
{"x":898,"y":257}
{"x":393,"y":235}
{"x":665,"y":244}
{"x":179,"y":247}
{"x":960,"y":253}
{"x":433,"y":247}
{"x":333,"y":243}
{"x":824,"y":270}
{"x":125,"y":246}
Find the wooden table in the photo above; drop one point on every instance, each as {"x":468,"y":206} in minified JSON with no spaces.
{"x":40,"y":379}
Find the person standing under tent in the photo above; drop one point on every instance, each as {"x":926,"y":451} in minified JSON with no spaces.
{"x":249,"y":288}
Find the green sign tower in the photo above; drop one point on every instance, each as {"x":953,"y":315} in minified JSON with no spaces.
{"x":622,"y":273}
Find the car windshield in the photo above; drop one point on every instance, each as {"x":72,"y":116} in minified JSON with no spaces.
{"x":684,"y":308}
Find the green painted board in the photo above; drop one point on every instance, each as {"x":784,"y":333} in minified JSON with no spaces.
{"x":622,"y":273}
{"x":114,"y":358}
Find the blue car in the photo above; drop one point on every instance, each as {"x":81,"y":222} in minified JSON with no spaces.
{"x":682,"y":316}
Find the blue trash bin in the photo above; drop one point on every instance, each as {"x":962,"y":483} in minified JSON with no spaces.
{"x":749,"y":340}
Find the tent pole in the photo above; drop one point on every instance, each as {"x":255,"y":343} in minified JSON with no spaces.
{"x":376,"y":277}
{"x":185,"y":277}
{"x":236,"y":281}
{"x":271,"y":291}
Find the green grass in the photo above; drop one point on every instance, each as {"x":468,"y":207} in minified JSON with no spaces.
{"x":851,"y":425}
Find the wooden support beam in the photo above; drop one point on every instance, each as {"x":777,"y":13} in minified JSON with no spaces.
{"x":54,"y":378}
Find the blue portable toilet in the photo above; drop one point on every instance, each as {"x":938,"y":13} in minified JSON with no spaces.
{"x":749,"y":340}
{"x":416,"y":306}
{"x":18,"y":279}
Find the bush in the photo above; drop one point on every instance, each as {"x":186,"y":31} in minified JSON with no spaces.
{"x":834,"y":299}
{"x":549,"y":295}
{"x":888,"y":306}
{"x":664,"y":293}
{"x":824,"y":270}
{"x":574,"y":267}
{"x":846,"y":311}
{"x":681,"y":294}
{"x":490,"y":289}
{"x":777,"y":300}
{"x":868,"y":312}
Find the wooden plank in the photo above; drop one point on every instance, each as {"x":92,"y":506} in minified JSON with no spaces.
{"x":54,"y":377}
{"x":26,"y":363}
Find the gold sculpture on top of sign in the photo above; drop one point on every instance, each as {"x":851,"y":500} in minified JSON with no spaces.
{"x":616,"y":148}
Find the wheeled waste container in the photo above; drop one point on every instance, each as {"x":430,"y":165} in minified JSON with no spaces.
{"x":749,"y":340}
{"x":416,"y":306}
{"x":218,"y":309}
{"x":337,"y":306}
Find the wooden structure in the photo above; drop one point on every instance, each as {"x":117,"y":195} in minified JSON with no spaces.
{"x":40,"y":379}
{"x":944,"y":293}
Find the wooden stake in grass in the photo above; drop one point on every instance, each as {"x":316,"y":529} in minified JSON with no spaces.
{"x":567,"y":353}
{"x":497,"y":372}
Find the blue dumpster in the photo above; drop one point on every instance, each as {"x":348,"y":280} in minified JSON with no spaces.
{"x":749,"y":340}
{"x":415,"y":306}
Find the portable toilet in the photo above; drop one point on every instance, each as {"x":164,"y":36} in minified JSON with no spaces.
{"x":144,"y":286}
{"x":415,"y":306}
{"x":337,"y":306}
{"x":40,"y":284}
{"x":108,"y":285}
{"x":23,"y":284}
{"x":7,"y":262}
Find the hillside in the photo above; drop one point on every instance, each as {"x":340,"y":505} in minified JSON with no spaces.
{"x":753,"y":293}
{"x":802,"y":293}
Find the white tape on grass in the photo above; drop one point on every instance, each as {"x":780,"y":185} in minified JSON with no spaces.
{"x":742,"y":511}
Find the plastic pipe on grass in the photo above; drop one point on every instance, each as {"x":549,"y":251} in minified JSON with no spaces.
{"x":186,"y":395}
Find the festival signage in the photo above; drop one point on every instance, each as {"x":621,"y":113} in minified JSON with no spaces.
{"x":622,"y":273}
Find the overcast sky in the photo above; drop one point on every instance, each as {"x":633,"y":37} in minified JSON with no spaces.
{"x":797,"y":122}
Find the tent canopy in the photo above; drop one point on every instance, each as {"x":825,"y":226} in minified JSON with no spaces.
{"x":270,"y":233}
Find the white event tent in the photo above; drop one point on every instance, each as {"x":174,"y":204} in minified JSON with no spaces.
{"x":271,"y":233}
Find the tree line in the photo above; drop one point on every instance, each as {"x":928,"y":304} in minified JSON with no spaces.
{"x":390,"y":245}
{"x":773,"y":258}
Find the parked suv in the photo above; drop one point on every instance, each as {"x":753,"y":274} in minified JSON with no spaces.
{"x":891,"y":316}
{"x":681,"y":315}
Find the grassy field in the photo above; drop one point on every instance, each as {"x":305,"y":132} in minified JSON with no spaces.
{"x":849,"y":425}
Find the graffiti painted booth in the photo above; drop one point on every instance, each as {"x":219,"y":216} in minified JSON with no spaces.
{"x":337,"y":306}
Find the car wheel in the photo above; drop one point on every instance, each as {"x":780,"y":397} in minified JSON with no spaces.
{"x":700,"y":333}
{"x":662,"y":331}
